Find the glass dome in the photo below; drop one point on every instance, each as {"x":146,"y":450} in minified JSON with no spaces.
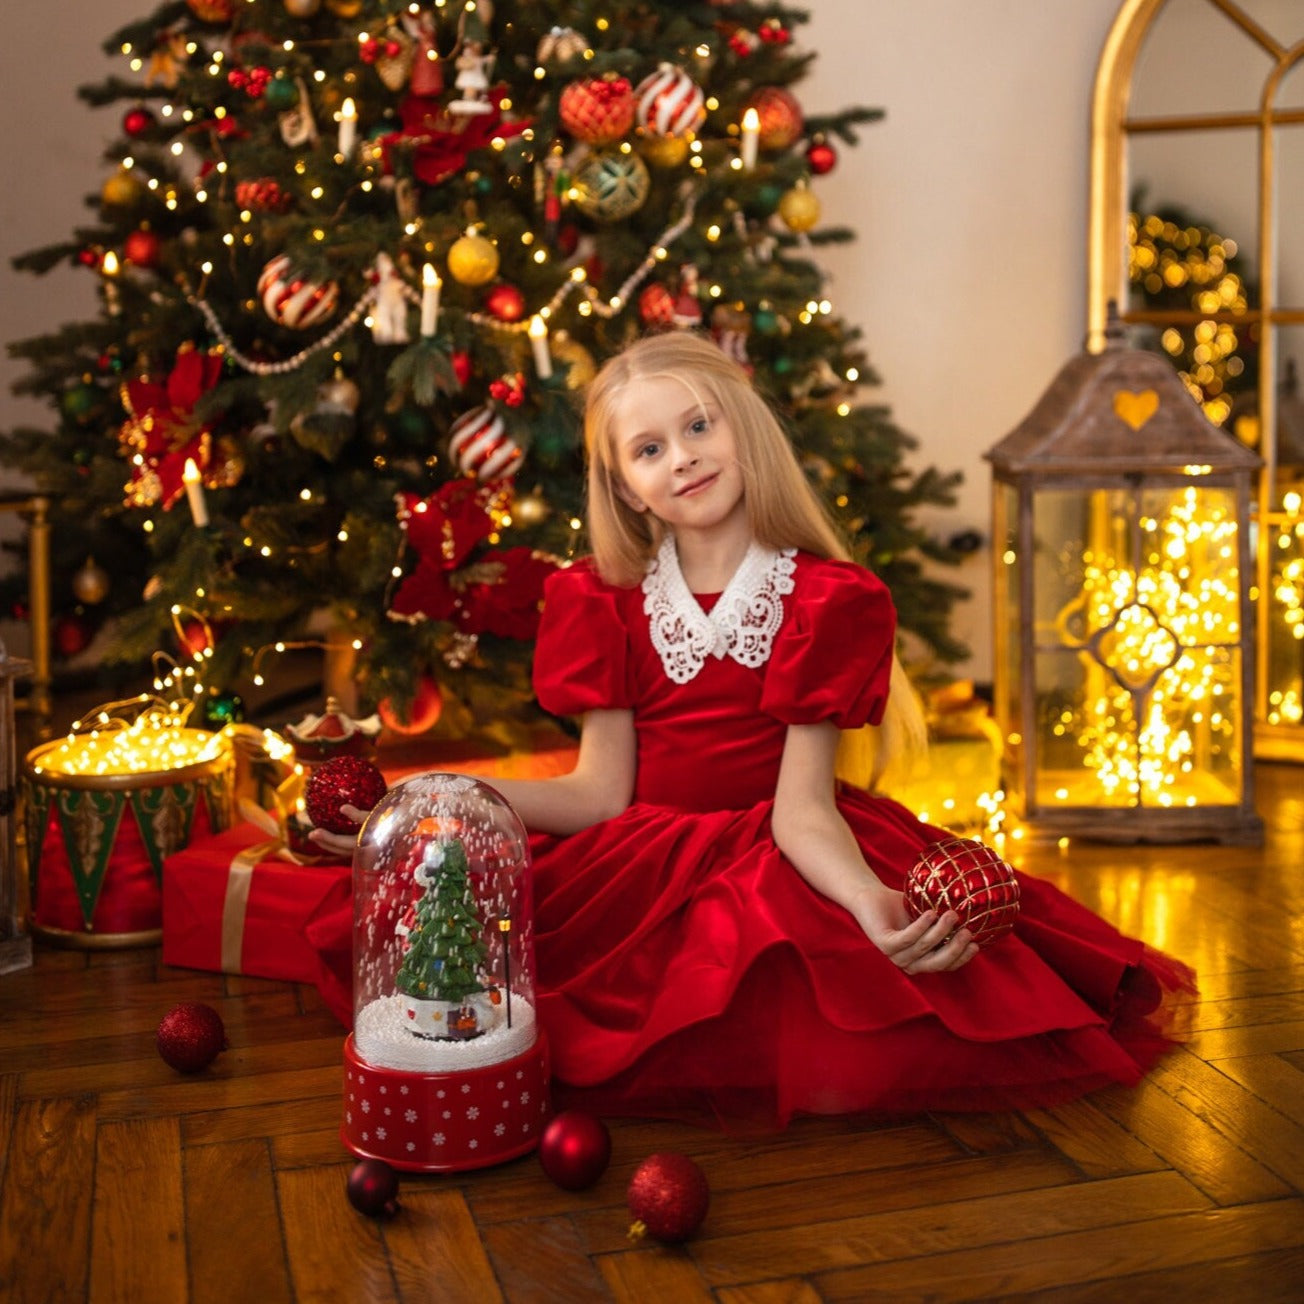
{"x":442,"y":946}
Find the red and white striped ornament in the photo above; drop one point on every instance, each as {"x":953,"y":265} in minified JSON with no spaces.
{"x":293,"y":300}
{"x":670,"y":102}
{"x":480,"y":445}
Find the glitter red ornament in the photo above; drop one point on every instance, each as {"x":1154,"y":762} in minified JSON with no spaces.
{"x":190,"y":1037}
{"x":781,"y":119}
{"x":668,"y":1197}
{"x":598,"y":110}
{"x":373,"y":1188}
{"x":656,"y":305}
{"x":963,"y":875}
{"x":342,"y":781}
{"x":575,"y":1149}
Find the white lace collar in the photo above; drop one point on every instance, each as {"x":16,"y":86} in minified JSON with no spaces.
{"x":742,"y":624}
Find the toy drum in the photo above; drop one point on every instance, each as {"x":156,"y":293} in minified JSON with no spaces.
{"x":97,"y":836}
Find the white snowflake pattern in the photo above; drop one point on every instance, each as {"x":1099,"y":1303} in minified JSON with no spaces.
{"x":439,"y":1095}
{"x":411,"y":1146}
{"x":473,"y":1112}
{"x":410,"y":1116}
{"x":366,"y":1107}
{"x":499,"y":1129}
{"x":348,"y":1116}
{"x":366,"y":1136}
{"x":438,"y":1138}
{"x":381,"y":1133}
{"x":472,"y":1145}
{"x":466,"y":1088}
{"x":448,"y":1113}
{"x":525,"y":1097}
{"x":388,"y":1111}
{"x":383,"y":1090}
{"x":520,"y":1073}
{"x":403,"y":1090}
{"x":500,"y":1086}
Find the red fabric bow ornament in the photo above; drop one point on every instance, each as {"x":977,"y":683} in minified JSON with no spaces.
{"x":161,"y":430}
{"x":440,"y":143}
{"x":498,"y":593}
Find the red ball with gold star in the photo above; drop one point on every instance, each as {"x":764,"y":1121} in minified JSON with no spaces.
{"x":668,"y":1198}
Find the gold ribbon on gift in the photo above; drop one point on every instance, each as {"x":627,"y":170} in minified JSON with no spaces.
{"x":236,"y":904}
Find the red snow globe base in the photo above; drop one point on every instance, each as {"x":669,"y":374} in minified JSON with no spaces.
{"x":446,"y":1067}
{"x":445,"y":1122}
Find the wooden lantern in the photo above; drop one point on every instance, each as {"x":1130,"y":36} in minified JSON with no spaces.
{"x":1124,"y":673}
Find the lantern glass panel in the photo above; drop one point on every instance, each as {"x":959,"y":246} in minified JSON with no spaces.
{"x":1008,"y":622}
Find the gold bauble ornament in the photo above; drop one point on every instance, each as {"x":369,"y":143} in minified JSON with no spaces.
{"x":664,"y":151}
{"x":531,"y":508}
{"x":472,"y":260}
{"x":579,"y":361}
{"x":345,"y":8}
{"x":90,"y":584}
{"x":799,"y":209}
{"x":301,"y":8}
{"x":122,"y":190}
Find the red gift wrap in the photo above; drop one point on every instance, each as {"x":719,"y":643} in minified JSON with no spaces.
{"x":236,"y":904}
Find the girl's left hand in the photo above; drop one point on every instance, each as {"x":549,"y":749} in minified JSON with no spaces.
{"x":930,"y":944}
{"x":339,"y":844}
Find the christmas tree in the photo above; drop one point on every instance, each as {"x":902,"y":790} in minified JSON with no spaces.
{"x":445,"y":950}
{"x":358,"y":259}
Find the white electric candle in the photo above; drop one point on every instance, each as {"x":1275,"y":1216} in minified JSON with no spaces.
{"x":430,"y":285}
{"x":539,"y":346}
{"x":194,"y":483}
{"x":348,"y":127}
{"x":751,"y":137}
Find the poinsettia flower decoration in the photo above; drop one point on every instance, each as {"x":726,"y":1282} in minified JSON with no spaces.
{"x":497,"y":592}
{"x":162,"y":431}
{"x":439,"y":142}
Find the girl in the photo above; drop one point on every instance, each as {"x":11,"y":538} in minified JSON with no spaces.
{"x":720,"y":926}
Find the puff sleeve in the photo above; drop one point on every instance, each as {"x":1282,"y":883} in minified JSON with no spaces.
{"x":832,"y":659}
{"x":581,"y":656}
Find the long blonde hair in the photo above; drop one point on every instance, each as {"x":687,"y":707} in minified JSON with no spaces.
{"x":783,"y":509}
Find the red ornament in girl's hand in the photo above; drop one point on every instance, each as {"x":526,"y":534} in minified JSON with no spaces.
{"x":343,"y":781}
{"x":963,"y":875}
{"x":373,"y":1188}
{"x":190,"y":1037}
{"x":668,"y":1198}
{"x":575,"y":1149}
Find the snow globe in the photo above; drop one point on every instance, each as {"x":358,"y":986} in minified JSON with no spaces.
{"x":446,"y":1068}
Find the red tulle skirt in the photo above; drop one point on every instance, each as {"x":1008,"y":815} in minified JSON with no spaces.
{"x":685,"y":969}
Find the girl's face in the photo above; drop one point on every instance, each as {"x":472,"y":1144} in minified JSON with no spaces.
{"x":675,"y":455}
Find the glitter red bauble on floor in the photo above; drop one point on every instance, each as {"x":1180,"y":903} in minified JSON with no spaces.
{"x":965,"y":876}
{"x":190,"y":1037}
{"x":575,"y":1149}
{"x":343,"y":781}
{"x":668,"y":1198}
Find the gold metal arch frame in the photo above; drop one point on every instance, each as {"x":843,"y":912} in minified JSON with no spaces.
{"x":1280,"y":523}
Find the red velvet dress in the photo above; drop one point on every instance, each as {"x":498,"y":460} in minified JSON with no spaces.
{"x":686,"y":968}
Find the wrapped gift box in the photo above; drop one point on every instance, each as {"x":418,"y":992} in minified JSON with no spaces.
{"x":235,"y":904}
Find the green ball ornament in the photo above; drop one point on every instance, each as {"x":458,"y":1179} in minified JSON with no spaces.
{"x":782,"y":366}
{"x":765,"y":321}
{"x":222,"y":709}
{"x":764,"y":201}
{"x":610,"y":185}
{"x":281,"y":93}
{"x":82,"y":402}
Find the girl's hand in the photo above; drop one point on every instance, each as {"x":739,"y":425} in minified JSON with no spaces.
{"x":339,"y":844}
{"x":930,"y":944}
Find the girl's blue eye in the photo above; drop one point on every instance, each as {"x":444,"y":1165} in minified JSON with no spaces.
{"x":700,"y":426}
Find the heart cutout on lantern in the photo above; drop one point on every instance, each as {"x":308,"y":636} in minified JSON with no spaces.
{"x":1136,"y":409}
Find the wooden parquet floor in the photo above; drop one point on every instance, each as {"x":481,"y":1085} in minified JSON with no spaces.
{"x":123,"y":1183}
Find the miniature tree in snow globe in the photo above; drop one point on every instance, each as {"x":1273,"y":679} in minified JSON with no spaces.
{"x":445,"y":1068}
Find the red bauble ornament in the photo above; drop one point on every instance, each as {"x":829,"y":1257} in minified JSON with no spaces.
{"x":136,"y":122}
{"x":656,"y":305}
{"x":667,"y":1197}
{"x":963,"y":875}
{"x":190,"y":1037}
{"x":822,"y":157}
{"x":598,"y":110}
{"x":212,"y":11}
{"x":505,"y":302}
{"x":142,"y":248}
{"x":71,"y":635}
{"x":342,"y":781}
{"x":780,"y":114}
{"x":461,"y":361}
{"x":194,"y":638}
{"x":373,"y":1188}
{"x":427,"y":706}
{"x":575,"y":1149}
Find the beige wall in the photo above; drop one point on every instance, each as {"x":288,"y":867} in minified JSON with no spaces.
{"x":968,"y":200}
